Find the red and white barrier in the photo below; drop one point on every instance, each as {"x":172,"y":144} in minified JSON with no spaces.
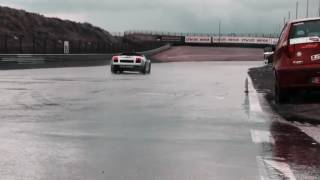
{"x":229,"y":39}
{"x":244,"y":40}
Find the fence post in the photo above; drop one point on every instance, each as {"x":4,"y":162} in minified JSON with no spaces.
{"x":55,"y":46}
{"x":20,"y":44}
{"x":6,"y":43}
{"x":104,"y":47}
{"x":94,"y":47}
{"x":70,"y":47}
{"x":98,"y":47}
{"x":34,"y":44}
{"x":85,"y":47}
{"x":79,"y":46}
{"x":112,"y":47}
{"x":45,"y":45}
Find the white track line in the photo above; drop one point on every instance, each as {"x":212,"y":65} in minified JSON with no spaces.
{"x":259,"y":137}
{"x":253,"y":97}
{"x":262,"y":169}
{"x":311,"y":131}
{"x":254,"y":104}
{"x":284,"y":168}
{"x":273,"y":166}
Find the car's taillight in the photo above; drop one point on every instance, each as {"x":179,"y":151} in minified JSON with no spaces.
{"x":291,"y":50}
{"x":115,"y":59}
{"x":138,"y":60}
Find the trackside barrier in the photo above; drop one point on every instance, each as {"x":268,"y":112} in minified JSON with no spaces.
{"x":244,"y":40}
{"x":224,"y":41}
{"x":156,"y":51}
{"x":17,"y":61}
{"x":230,"y":40}
{"x":24,"y":61}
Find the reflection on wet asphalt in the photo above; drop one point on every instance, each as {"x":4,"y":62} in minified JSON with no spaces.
{"x":184,"y":121}
{"x":299,"y":151}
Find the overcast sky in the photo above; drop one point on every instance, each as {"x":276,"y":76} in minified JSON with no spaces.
{"x":200,"y":16}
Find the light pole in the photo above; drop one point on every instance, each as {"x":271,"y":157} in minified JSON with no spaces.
{"x":319,"y":9}
{"x":297,"y":9}
{"x":307,"y":8}
{"x":219,"y":31}
{"x":289,"y":16}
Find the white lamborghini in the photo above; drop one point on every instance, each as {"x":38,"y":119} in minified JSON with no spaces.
{"x":130,"y":62}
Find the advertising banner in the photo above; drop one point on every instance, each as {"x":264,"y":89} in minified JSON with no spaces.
{"x":198,"y":39}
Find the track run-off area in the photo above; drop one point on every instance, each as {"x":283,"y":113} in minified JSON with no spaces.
{"x":189,"y":119}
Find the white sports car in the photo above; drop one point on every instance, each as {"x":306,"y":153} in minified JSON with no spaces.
{"x":130,"y":62}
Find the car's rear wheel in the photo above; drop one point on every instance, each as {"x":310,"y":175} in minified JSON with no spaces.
{"x":149,"y":69}
{"x":113,"y":69}
{"x":144,"y":69}
{"x":282,"y":95}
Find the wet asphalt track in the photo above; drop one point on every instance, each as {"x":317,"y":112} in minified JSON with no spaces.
{"x":184,"y":121}
{"x":196,"y":53}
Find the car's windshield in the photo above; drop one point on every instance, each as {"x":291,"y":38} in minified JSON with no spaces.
{"x":305,"y":29}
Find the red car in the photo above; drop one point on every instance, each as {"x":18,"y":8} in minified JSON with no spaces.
{"x":296,"y":60}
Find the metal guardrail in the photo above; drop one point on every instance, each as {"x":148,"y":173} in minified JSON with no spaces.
{"x":23,"y":61}
{"x":156,"y":51}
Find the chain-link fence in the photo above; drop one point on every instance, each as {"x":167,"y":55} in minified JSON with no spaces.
{"x":121,"y":42}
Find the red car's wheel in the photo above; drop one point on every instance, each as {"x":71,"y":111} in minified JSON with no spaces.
{"x":281,"y":95}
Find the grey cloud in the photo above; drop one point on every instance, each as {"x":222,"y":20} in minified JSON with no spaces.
{"x":239,"y":16}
